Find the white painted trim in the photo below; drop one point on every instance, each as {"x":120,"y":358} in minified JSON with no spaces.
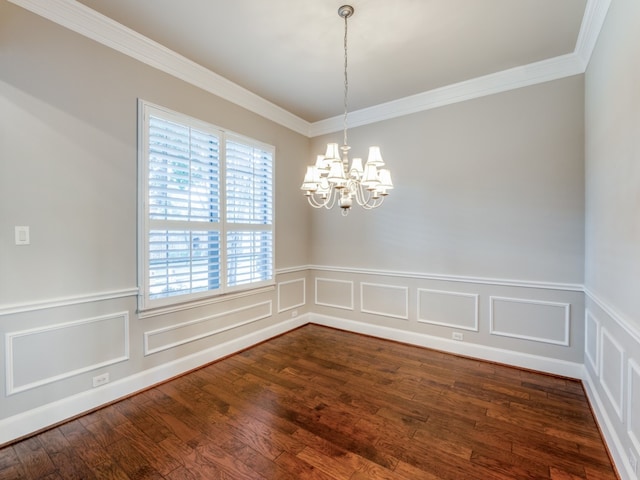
{"x":625,"y":324}
{"x":616,"y":403}
{"x":10,"y":336}
{"x":594,"y":362}
{"x":483,"y":352}
{"x":592,"y":22}
{"x":390,"y":287}
{"x":91,"y":24}
{"x":476,"y":296}
{"x":570,"y":287}
{"x":611,"y":438}
{"x":304,"y":295}
{"x":511,"y":79}
{"x":344,"y":307}
{"x":177,"y":326}
{"x":25,"y":423}
{"x":85,"y":21}
{"x":284,"y":271}
{"x":567,"y":317}
{"x":67,"y":301}
{"x":635,"y":441}
{"x":204,"y":302}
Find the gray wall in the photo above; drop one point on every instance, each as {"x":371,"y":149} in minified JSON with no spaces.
{"x":484,"y":236}
{"x":68,"y":170}
{"x":612,"y":261}
{"x":492,"y":187}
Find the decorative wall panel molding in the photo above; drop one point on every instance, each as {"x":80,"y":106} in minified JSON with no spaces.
{"x":540,"y":363}
{"x":334,"y":293}
{"x":26,"y":423}
{"x":67,"y":301}
{"x":64,"y":350}
{"x":624,"y":323}
{"x":158,"y":312}
{"x":591,"y":341}
{"x":535,"y":320}
{"x":387,"y":300}
{"x":182,"y":333}
{"x":450,"y":309}
{"x":502,"y":282}
{"x":633,"y":401}
{"x":291,"y":294}
{"x":612,"y":370}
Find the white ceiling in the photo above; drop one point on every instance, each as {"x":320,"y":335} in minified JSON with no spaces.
{"x":403,"y":55}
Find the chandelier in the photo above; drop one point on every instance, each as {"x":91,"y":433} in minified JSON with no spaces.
{"x":331,"y":180}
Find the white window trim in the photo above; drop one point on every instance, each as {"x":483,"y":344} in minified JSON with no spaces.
{"x":181,"y":302}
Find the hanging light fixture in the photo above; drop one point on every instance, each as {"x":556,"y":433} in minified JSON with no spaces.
{"x":332,"y":181}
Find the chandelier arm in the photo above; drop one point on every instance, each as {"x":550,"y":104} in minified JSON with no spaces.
{"x":362,"y":198}
{"x":328,"y":203}
{"x":365,"y":199}
{"x":313,"y":202}
{"x":331,"y":201}
{"x":375,"y":204}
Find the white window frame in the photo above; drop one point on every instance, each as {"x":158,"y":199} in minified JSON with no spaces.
{"x":145,"y":110}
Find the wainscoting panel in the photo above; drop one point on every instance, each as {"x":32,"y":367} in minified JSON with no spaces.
{"x":387,"y":300}
{"x":612,"y":370}
{"x":633,"y":405}
{"x":191,"y":331}
{"x":614,"y":387}
{"x":451,"y":309}
{"x":291,"y":294}
{"x":591,"y":344}
{"x":334,"y":293}
{"x":52,"y":353}
{"x":539,"y":321}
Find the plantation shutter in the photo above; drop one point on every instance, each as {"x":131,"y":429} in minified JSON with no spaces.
{"x":183,"y":209}
{"x":249,"y":209}
{"x":207,"y":218}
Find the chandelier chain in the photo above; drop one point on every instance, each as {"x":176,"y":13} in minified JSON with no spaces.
{"x":346,"y":82}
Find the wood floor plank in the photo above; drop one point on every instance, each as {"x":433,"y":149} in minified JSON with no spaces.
{"x":323,"y":404}
{"x":10,"y":465}
{"x":34,"y":457}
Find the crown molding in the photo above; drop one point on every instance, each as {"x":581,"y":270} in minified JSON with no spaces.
{"x":91,"y":24}
{"x":592,"y":21}
{"x":518,"y":77}
{"x":544,"y":71}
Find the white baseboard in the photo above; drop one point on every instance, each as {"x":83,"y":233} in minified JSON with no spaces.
{"x":483,"y":352}
{"x":611,"y":438}
{"x":24,"y":424}
{"x":29,"y":422}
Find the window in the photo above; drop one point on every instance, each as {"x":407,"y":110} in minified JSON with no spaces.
{"x":206,"y":221}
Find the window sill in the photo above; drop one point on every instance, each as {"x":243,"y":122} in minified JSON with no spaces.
{"x":157,"y":311}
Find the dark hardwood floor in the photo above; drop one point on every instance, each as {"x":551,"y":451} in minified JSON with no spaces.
{"x":318,"y":403}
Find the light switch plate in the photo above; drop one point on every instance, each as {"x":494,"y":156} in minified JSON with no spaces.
{"x":22,"y":235}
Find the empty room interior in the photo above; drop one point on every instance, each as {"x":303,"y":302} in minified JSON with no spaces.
{"x":192,"y":253}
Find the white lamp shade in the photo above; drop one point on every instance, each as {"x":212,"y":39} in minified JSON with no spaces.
{"x":333,"y":152}
{"x":322,"y":165}
{"x":356,"y":165}
{"x":311,"y":179}
{"x":385,"y":178}
{"x":375,"y":157}
{"x":370,"y":177}
{"x":336,"y":175}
